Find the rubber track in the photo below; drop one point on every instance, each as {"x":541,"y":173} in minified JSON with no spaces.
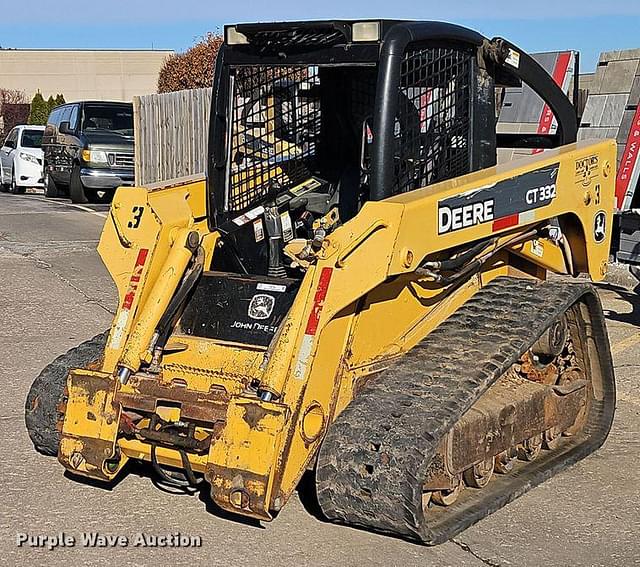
{"x":373,"y":462}
{"x":47,"y":392}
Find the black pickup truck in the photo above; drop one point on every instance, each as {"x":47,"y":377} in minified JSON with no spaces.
{"x":88,"y":150}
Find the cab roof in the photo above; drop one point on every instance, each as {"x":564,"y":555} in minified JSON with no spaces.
{"x":323,"y":33}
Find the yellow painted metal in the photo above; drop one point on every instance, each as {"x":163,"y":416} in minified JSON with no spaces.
{"x":139,"y":450}
{"x":320,"y":387}
{"x":376,"y":308}
{"x":88,"y":400}
{"x":404,"y":304}
{"x":543,"y":252}
{"x":241,"y":460}
{"x":157,"y":302}
{"x":279,"y":362}
{"x":207,"y":364}
{"x":90,"y":427}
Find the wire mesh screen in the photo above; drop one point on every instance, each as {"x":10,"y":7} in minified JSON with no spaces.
{"x":432,"y":128}
{"x":293,"y":39}
{"x":274,"y":131}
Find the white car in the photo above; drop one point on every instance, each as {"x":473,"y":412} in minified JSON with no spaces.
{"x":21,"y":159}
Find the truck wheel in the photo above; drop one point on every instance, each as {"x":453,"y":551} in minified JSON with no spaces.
{"x":76,"y":189}
{"x":15,"y":188}
{"x":50,"y":187}
{"x":3,"y":186}
{"x":46,"y":398}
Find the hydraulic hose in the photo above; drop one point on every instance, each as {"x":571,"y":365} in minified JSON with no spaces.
{"x":475,"y":265}
{"x":171,"y":478}
{"x":462,"y":258}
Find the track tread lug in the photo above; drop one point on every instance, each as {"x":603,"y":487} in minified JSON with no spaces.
{"x":410,"y":406}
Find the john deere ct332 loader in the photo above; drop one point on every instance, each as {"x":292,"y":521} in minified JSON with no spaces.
{"x":356,"y":289}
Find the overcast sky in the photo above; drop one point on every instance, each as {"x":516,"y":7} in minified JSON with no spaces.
{"x":589,"y":26}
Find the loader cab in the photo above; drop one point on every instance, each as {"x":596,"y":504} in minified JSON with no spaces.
{"x":313,"y":119}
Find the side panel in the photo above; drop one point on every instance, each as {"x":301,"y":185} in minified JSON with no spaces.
{"x":583,"y":192}
{"x":240,"y":461}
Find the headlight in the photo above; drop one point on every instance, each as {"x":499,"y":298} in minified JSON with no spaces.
{"x":95,"y":156}
{"x":29,"y":157}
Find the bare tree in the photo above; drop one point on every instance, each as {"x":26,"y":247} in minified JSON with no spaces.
{"x":192,"y":69}
{"x":12,"y":96}
{"x":14,"y":109}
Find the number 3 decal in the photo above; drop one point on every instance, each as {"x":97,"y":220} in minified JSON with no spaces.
{"x":137,"y":216}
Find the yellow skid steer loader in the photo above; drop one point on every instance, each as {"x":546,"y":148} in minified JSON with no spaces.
{"x":356,"y":289}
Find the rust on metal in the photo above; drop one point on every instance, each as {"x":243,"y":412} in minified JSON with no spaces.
{"x":544,"y":374}
{"x":188,"y":443}
{"x":89,"y":458}
{"x":255,"y":413}
{"x":226,"y":481}
{"x":514,"y":410}
{"x":195,"y":405}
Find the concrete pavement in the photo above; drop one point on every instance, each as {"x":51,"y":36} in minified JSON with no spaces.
{"x":56,"y":293}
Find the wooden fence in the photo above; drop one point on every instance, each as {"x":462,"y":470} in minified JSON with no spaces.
{"x":171,"y":132}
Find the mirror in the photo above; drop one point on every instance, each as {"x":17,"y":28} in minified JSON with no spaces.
{"x":10,"y":144}
{"x":65,"y":127}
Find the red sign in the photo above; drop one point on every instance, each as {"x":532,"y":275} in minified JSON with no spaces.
{"x":559,"y":75}
{"x":629,"y":158}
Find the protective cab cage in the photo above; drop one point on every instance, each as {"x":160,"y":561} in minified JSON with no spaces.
{"x":310,"y":115}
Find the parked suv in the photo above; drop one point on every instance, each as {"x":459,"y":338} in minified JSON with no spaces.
{"x":88,"y":150}
{"x":21,"y":159}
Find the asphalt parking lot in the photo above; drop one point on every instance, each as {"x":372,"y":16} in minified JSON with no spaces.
{"x":55,"y":293}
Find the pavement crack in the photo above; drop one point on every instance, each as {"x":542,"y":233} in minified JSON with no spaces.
{"x":46,"y":266}
{"x":80,"y":291}
{"x":10,"y":417}
{"x":468,"y":549}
